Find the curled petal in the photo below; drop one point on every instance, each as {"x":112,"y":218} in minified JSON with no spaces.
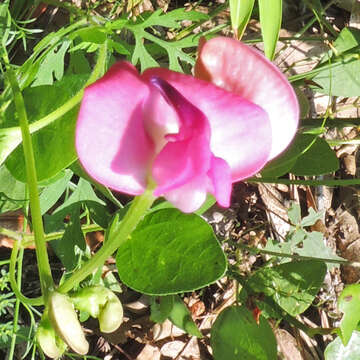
{"x":220,"y":176}
{"x":187,"y":153}
{"x":111,"y":140}
{"x":240,"y":130}
{"x":189,"y":197}
{"x":239,"y":68}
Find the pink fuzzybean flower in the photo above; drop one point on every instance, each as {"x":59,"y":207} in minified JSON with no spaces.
{"x":190,"y":135}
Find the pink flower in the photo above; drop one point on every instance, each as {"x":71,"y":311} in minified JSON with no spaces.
{"x":191,"y":135}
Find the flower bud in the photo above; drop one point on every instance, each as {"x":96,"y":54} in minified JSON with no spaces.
{"x":111,"y":315}
{"x":100,"y":303}
{"x":51,"y":344}
{"x":65,"y":322}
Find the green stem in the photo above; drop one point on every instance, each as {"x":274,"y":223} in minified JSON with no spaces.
{"x":18,"y":282}
{"x":292,"y":256}
{"x":340,"y":182}
{"x":118,"y":233}
{"x":28,"y":240}
{"x":46,"y":280}
{"x":13,"y":282}
{"x":331,"y":122}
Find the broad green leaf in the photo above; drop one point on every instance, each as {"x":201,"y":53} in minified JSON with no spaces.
{"x":50,"y":195}
{"x":270,"y":20}
{"x":240,"y":12}
{"x":40,"y":101}
{"x":12,"y":192}
{"x":53,"y":144}
{"x":337,"y":351}
{"x":283,"y":164}
{"x":180,"y":316}
{"x":293,"y":285}
{"x":318,"y":160}
{"x":10,"y":138}
{"x":349,"y":304}
{"x":44,"y":105}
{"x":342,"y":79}
{"x":54,"y":149}
{"x":235,"y":335}
{"x":170,"y":252}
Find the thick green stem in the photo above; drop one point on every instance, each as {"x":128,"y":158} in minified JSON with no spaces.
{"x":119,"y":232}
{"x":46,"y":280}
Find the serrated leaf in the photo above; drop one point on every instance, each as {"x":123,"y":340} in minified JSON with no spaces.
{"x":174,"y":49}
{"x":337,"y":351}
{"x":294,"y":213}
{"x":172,"y":18}
{"x":170,"y":252}
{"x":293,"y":285}
{"x":52,"y":66}
{"x":314,"y":246}
{"x":349,"y":304}
{"x":235,"y":335}
{"x":312,"y":218}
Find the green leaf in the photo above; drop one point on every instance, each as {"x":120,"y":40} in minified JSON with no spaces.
{"x":42,"y":105}
{"x":240,"y":12}
{"x":51,"y":194}
{"x":69,"y":247}
{"x":54,"y":149}
{"x":318,"y":160}
{"x":292,"y":285}
{"x":53,"y":65}
{"x":349,"y":304}
{"x":12,"y":192}
{"x":53,"y":144}
{"x":312,"y":218}
{"x":342,"y":79}
{"x":170,"y":252}
{"x":4,"y":23}
{"x":174,"y":49}
{"x":10,"y":138}
{"x":161,"y":308}
{"x":313,"y":245}
{"x":235,"y":335}
{"x":270,"y":20}
{"x":294,"y":213}
{"x":283,"y":164}
{"x":180,"y":316}
{"x":337,"y":351}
